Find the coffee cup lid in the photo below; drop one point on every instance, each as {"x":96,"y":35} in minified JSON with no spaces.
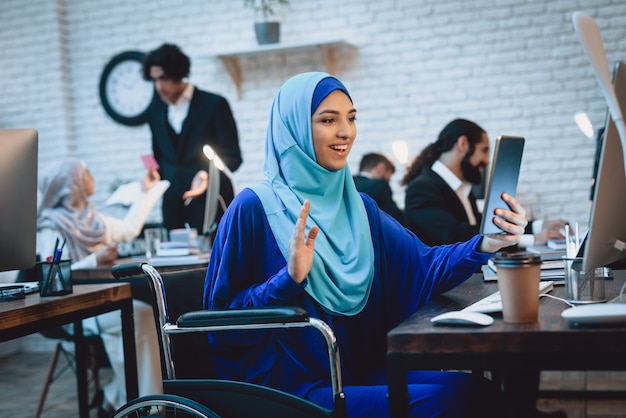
{"x":506,"y":259}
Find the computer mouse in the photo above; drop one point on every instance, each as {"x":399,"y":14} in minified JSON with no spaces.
{"x":462,"y":318}
{"x":597,"y":313}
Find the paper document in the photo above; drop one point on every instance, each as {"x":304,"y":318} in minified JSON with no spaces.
{"x":125,"y":195}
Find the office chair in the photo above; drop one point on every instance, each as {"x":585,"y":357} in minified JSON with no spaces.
{"x":179,"y":295}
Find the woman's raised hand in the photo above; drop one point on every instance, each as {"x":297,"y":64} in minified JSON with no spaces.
{"x":300,"y":249}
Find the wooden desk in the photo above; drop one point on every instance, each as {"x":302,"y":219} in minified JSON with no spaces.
{"x":34,"y":314}
{"x":104,"y":272}
{"x":549,"y":344}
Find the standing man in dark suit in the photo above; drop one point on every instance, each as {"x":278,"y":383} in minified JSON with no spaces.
{"x":375,"y":172}
{"x":183,"y":119}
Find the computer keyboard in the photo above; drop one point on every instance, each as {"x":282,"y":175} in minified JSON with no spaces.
{"x":493,"y":303}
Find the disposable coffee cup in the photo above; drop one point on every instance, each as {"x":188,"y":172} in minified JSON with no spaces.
{"x":518,"y":281}
{"x":583,"y":286}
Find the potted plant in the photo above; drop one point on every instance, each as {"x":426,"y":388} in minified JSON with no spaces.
{"x":267,"y":31}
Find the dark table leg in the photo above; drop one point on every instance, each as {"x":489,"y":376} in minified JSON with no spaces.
{"x":398,"y":388}
{"x":130,"y":354}
{"x":81,"y":370}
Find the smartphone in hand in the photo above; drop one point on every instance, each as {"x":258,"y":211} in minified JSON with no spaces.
{"x":149,"y":162}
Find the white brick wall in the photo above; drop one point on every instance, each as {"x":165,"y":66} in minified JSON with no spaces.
{"x":514,"y":67}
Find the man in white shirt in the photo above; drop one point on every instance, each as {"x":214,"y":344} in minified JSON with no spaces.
{"x":375,"y":171}
{"x":441,"y":209}
{"x":439,"y":204}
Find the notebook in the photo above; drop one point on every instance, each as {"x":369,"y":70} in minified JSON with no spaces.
{"x":555,"y":275}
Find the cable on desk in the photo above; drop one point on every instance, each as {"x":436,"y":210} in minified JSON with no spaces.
{"x":621,"y":298}
{"x":621,"y":291}
{"x":557,"y":298}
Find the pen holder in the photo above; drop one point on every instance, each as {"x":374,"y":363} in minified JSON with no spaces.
{"x":580,"y":286}
{"x":56,"y":278}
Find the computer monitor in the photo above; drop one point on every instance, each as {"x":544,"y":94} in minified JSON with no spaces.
{"x":18,"y":198}
{"x":607,"y":225}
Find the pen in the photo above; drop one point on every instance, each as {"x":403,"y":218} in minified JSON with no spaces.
{"x":568,"y":249}
{"x":52,"y":271}
{"x":577,"y":237}
{"x":58,"y":252}
{"x":54,"y":253}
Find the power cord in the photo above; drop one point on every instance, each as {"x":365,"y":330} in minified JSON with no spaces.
{"x":222,"y":202}
{"x":557,"y":298}
{"x":621,"y":298}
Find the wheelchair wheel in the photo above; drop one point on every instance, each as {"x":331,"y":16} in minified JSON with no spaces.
{"x":154,"y":406}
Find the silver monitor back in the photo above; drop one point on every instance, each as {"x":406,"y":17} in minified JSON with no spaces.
{"x":608,"y":212}
{"x":18,"y":198}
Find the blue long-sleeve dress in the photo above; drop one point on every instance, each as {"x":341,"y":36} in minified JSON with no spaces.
{"x":247,"y":269}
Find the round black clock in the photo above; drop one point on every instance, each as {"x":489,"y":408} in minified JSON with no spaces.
{"x":124,"y":93}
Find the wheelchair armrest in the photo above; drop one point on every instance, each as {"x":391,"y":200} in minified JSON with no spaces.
{"x":128,"y":269}
{"x":230,"y":317}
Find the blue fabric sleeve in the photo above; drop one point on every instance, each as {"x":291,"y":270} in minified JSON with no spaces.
{"x":410,"y":272}
{"x":248,"y":269}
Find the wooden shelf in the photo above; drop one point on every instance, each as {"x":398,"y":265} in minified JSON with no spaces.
{"x":328,"y":50}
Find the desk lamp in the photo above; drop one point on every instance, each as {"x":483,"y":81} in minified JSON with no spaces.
{"x":213,"y":197}
{"x":584,"y":124}
{"x":400,"y":151}
{"x":212,"y":156}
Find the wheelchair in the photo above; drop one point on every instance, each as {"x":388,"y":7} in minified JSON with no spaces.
{"x":189,"y":386}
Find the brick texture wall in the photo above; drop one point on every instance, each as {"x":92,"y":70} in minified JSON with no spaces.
{"x":513,"y":66}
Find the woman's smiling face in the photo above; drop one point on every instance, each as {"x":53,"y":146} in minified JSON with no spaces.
{"x":334,"y":130}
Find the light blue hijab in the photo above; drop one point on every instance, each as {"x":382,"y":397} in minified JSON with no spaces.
{"x":343,"y":266}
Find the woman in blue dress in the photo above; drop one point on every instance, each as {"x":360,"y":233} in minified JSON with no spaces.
{"x":305,"y":237}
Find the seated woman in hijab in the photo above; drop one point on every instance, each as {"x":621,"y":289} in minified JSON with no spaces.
{"x":90,"y":240}
{"x":301,"y":238}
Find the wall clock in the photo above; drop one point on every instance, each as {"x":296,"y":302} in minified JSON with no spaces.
{"x":125,"y":95}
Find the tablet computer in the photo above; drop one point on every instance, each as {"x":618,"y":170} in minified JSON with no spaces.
{"x":507,"y":158}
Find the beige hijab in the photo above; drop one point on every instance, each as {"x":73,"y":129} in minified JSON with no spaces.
{"x":65,"y":207}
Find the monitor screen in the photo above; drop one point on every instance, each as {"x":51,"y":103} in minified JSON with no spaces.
{"x":607,"y":224}
{"x":18,"y":198}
